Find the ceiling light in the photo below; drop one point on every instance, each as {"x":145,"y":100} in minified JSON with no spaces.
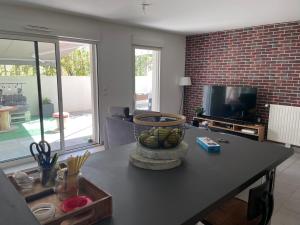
{"x":145,"y":5}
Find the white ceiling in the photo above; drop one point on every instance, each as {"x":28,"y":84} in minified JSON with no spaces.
{"x":189,"y":16}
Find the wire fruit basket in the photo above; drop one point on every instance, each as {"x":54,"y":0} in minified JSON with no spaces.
{"x":159,"y":130}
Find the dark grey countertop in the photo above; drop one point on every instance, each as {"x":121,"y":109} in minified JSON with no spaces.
{"x":173,"y":197}
{"x":182,"y":195}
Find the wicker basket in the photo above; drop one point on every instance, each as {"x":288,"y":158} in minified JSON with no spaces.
{"x":159,"y":130}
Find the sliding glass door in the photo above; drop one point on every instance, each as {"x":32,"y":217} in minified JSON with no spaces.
{"x":45,"y":94}
{"x":19,"y":102}
{"x":147,"y":78}
{"x":76,"y":69}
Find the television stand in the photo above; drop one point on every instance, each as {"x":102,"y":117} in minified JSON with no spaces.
{"x":256,"y":130}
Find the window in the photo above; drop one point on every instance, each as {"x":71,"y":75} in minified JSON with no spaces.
{"x":46,"y":93}
{"x":147,"y":75}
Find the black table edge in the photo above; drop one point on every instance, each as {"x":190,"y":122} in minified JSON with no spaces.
{"x":239,"y":189}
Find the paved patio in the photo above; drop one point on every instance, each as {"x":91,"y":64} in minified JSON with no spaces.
{"x":15,"y":143}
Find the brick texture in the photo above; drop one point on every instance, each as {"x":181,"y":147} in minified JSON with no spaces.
{"x":266,"y":57}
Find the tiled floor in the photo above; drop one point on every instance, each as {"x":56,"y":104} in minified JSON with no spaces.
{"x":287,"y":192}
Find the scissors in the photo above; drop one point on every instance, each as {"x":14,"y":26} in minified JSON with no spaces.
{"x":41,"y":152}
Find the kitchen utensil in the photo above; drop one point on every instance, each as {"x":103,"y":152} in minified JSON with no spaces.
{"x":75,"y":163}
{"x":41,"y":152}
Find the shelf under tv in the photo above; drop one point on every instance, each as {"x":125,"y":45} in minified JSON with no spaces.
{"x":256,"y":130}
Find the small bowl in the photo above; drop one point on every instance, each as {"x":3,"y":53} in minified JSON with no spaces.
{"x":76,"y":202}
{"x":44,"y":211}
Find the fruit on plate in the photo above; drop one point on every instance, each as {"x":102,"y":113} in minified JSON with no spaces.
{"x":151,"y":142}
{"x":161,"y":133}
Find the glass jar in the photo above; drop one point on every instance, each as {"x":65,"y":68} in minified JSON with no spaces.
{"x":73,"y":184}
{"x":48,"y":176}
{"x":61,"y":185}
{"x":67,"y":185}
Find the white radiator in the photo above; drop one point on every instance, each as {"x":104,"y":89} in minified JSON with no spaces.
{"x":284,"y":124}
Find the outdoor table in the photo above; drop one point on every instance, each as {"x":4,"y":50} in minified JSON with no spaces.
{"x":5,"y":117}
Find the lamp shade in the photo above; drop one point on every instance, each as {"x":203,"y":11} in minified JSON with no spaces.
{"x":185,"y":81}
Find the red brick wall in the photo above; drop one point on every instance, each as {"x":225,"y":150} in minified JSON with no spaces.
{"x":266,"y":57}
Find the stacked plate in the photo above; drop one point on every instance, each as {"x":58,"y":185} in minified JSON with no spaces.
{"x":158,"y":159}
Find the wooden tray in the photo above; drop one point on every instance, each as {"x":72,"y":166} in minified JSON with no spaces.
{"x":99,"y":209}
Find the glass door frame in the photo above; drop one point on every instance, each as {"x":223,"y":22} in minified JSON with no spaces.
{"x":158,"y":72}
{"x":95,"y":82}
{"x":37,"y":38}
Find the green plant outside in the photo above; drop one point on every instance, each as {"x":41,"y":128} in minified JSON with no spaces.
{"x":143,"y":64}
{"x":47,"y":101}
{"x":76,"y":63}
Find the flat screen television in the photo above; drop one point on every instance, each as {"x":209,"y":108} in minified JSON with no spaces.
{"x":233,"y":103}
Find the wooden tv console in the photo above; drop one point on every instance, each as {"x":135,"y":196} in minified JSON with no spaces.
{"x":257,"y":129}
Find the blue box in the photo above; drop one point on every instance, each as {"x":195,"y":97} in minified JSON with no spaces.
{"x":208,"y":145}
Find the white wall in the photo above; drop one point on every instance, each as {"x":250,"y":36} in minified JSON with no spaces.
{"x":116,"y":52}
{"x":76,"y":91}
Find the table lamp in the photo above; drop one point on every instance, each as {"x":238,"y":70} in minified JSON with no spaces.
{"x":185,"y":81}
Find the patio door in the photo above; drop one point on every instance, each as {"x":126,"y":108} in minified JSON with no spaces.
{"x":40,"y":101}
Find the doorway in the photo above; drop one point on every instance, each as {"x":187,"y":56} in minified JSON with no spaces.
{"x":147,"y":78}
